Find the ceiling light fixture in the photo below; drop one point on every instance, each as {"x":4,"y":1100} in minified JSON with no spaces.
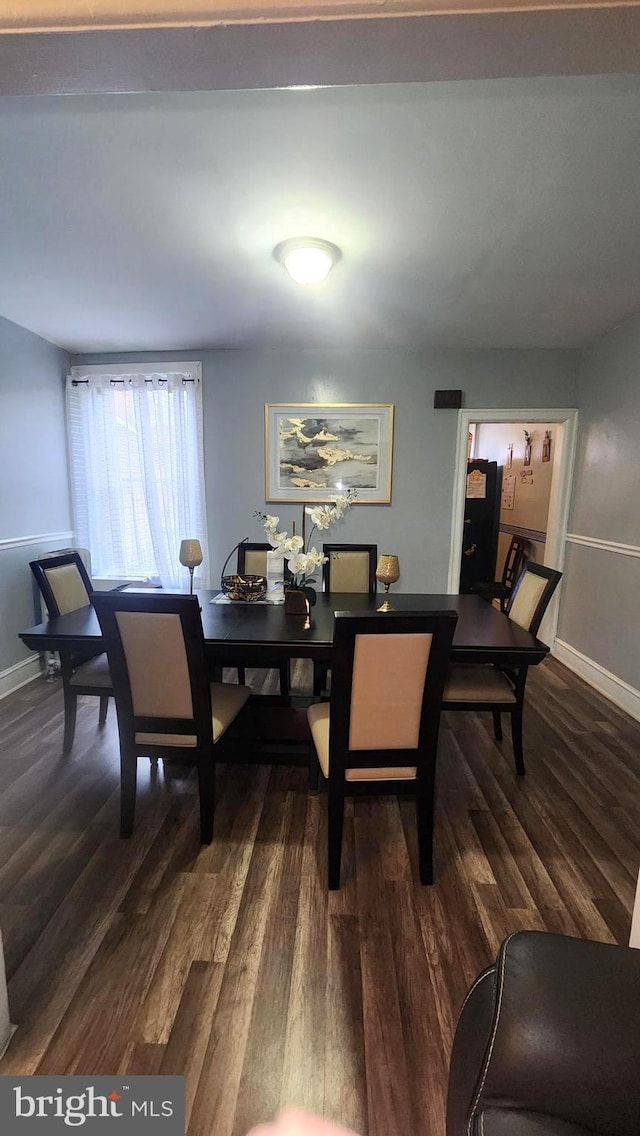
{"x":307,"y":260}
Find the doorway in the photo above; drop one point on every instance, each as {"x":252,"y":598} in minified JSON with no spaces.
{"x":541,"y":489}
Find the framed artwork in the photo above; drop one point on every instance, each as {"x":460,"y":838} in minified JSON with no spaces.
{"x":314,"y":450}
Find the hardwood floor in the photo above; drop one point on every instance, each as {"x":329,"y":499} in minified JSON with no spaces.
{"x":233,"y":964}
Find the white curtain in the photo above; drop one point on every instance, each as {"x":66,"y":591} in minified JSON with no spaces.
{"x":137,"y":472}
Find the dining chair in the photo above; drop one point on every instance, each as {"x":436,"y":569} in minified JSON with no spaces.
{"x":348,"y":568}
{"x":379,"y":731}
{"x":518,"y":551}
{"x":167,"y":706}
{"x":252,"y":559}
{"x":65,"y":586}
{"x":499,"y":688}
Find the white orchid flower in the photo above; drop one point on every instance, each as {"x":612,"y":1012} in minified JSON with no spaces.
{"x":322,"y":517}
{"x":298,"y":562}
{"x":340,"y":503}
{"x":316,"y":558}
{"x":294,"y":544}
{"x":276,"y":539}
{"x":271,"y":523}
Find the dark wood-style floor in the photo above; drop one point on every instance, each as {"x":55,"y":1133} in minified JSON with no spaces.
{"x":233,"y":964}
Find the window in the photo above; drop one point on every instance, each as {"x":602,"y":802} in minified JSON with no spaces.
{"x":137,"y":467}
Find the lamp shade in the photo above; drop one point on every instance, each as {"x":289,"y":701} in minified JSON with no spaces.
{"x":388,"y":570}
{"x":190,"y":553}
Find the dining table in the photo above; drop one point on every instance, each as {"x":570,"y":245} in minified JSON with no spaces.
{"x":239,"y":634}
{"x":244,"y":634}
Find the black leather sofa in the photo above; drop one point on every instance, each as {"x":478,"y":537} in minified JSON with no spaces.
{"x":548,"y":1042}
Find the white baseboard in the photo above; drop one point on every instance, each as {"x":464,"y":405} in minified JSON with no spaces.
{"x":606,"y":683}
{"x":19,"y":675}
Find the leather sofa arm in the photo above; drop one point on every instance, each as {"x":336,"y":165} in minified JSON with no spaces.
{"x":553,"y":1029}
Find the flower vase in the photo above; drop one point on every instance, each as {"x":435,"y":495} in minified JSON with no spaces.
{"x":298,"y":601}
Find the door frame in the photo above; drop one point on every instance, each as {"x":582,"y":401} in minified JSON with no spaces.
{"x":554,"y":553}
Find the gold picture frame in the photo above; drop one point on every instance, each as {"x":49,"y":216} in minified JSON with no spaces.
{"x":314,"y":450}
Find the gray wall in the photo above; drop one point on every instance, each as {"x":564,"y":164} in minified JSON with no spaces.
{"x":416,"y":525}
{"x":600,"y":610}
{"x":34,"y":495}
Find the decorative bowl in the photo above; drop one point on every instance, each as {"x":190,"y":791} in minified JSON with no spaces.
{"x":247,"y":587}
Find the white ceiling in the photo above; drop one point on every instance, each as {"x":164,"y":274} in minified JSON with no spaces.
{"x":493,"y":213}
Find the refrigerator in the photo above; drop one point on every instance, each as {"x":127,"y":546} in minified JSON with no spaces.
{"x":481,"y":520}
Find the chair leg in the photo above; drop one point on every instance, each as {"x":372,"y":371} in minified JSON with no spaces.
{"x":104,"y":709}
{"x":497,"y":725}
{"x":207,"y":793}
{"x":70,"y":707}
{"x":314,"y":773}
{"x":516,"y":737}
{"x":285,"y":678}
{"x":241,"y":676}
{"x":424,"y":818}
{"x":335,"y":805}
{"x":128,"y":775}
{"x":320,"y":678}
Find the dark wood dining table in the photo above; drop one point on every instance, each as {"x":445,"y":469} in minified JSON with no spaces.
{"x":241,"y":633}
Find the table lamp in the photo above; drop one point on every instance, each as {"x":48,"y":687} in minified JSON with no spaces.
{"x":387,"y":572}
{"x":191,"y":557}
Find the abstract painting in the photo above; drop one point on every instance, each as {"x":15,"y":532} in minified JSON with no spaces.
{"x":314,"y":450}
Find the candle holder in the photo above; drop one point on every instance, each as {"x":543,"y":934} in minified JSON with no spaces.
{"x":387,"y":572}
{"x":190,"y":557}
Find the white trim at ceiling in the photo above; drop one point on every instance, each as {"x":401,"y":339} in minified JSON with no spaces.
{"x":605,"y":545}
{"x":40,"y":538}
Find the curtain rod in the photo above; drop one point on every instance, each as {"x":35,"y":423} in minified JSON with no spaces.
{"x":78,"y":382}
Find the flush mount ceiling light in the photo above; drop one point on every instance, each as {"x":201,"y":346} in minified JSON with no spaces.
{"x":307,"y":260}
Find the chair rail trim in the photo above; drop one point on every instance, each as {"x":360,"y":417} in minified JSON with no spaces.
{"x":39,"y":538}
{"x":604,"y":545}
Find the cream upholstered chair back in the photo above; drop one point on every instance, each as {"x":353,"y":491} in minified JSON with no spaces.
{"x":350,"y":568}
{"x":252,"y":559}
{"x":63,"y":582}
{"x":531,"y":594}
{"x":387,"y":689}
{"x":254,"y":562}
{"x":155,"y":646}
{"x":68,"y":587}
{"x":388,"y":676}
{"x":156,"y":658}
